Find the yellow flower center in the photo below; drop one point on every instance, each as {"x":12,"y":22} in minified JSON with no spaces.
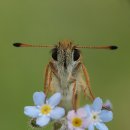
{"x":45,"y":109}
{"x":77,"y":122}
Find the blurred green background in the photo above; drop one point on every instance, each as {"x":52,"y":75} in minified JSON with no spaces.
{"x":85,"y":22}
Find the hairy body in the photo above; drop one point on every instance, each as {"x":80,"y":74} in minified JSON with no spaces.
{"x":66,"y":77}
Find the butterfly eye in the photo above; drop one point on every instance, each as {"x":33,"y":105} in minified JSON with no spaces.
{"x":76,"y":54}
{"x":54,"y":53}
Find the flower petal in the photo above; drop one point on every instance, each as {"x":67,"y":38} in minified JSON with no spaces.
{"x":71,"y":114}
{"x":101,"y":126}
{"x":97,"y":104}
{"x":78,"y":128}
{"x":31,"y":111}
{"x":42,"y":121}
{"x":57,"y":113}
{"x":88,"y":110}
{"x":91,"y":127}
{"x":54,"y":100}
{"x":39,"y":98}
{"x":106,"y":115}
{"x":81,"y":112}
{"x":86,"y":122}
{"x":70,"y":126}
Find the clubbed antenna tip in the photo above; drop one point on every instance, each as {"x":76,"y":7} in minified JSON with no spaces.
{"x":17,"y":44}
{"x":113,"y":47}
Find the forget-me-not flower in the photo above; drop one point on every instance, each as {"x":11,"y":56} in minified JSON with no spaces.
{"x":96,"y":116}
{"x":77,"y":120}
{"x":45,"y":109}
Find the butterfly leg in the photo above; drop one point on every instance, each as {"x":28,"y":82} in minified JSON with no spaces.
{"x":87,"y":82}
{"x":54,"y":70}
{"x":46,"y":79}
{"x":75,"y":97}
{"x":50,"y":88}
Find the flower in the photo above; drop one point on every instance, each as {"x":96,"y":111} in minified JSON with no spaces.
{"x":77,"y":120}
{"x":108,"y":105}
{"x":45,"y":109}
{"x":97,"y":116}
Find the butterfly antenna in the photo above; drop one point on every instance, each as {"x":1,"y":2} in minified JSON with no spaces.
{"x":30,"y":45}
{"x":98,"y":47}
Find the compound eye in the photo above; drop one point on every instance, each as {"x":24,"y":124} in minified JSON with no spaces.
{"x":54,"y":53}
{"x":76,"y":54}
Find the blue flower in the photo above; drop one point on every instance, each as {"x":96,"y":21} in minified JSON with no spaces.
{"x":96,"y":116}
{"x":45,"y":109}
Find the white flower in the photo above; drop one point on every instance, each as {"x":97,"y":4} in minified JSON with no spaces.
{"x":45,"y":109}
{"x":77,"y":120}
